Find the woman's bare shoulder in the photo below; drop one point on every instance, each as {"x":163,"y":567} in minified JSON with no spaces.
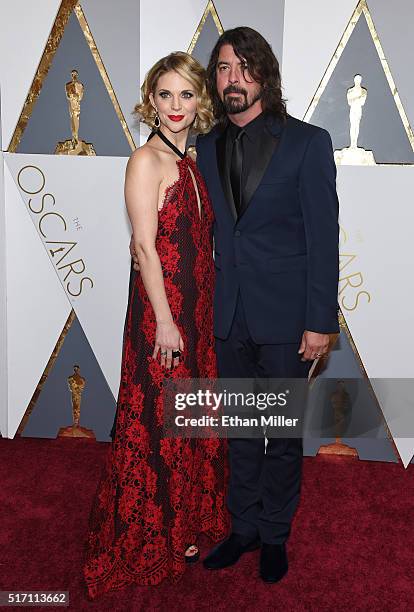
{"x":144,"y":164}
{"x":145,"y":155}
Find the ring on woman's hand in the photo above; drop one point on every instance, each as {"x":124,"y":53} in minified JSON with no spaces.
{"x":319,"y":354}
{"x":163,"y":353}
{"x":176,"y":353}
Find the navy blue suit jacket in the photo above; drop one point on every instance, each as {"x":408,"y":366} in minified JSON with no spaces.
{"x":281,"y":253}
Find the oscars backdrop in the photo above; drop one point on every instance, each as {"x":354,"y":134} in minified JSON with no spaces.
{"x":70,"y":77}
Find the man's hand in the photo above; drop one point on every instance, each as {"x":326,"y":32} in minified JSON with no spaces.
{"x":313,"y":345}
{"x":133,"y":253}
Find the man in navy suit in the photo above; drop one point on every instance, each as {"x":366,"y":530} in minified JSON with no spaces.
{"x":271,"y":179}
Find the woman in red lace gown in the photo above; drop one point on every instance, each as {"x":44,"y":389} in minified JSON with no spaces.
{"x":157,"y":494}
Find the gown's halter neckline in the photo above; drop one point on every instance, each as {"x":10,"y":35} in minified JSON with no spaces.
{"x":181,"y":156}
{"x":169,"y":144}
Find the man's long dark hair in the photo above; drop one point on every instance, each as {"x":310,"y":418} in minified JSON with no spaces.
{"x":263,"y":67}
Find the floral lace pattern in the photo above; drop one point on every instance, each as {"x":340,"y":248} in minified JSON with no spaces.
{"x":156,"y":494}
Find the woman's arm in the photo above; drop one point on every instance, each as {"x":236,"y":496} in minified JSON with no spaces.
{"x":142,"y":182}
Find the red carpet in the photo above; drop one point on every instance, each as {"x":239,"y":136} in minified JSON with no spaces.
{"x":351,"y":546}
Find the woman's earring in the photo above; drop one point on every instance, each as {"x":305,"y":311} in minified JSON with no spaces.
{"x":157,"y":121}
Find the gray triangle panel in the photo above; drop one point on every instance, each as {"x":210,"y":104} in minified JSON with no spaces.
{"x":206,"y":41}
{"x":49,"y":122}
{"x":381,"y":127}
{"x":362,"y":422}
{"x":53,"y":408}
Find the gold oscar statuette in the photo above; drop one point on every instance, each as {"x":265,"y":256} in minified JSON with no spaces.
{"x":74,"y":146}
{"x":355,"y":155}
{"x":76,"y":384}
{"x":340,"y":404}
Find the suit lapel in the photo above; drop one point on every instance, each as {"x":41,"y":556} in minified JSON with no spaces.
{"x":265,"y":148}
{"x":223,"y":166}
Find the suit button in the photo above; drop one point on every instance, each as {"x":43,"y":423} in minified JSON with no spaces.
{"x":237,"y":233}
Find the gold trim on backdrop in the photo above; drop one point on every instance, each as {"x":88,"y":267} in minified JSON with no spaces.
{"x":210,"y":9}
{"x":52,"y":44}
{"x":46,"y":372}
{"x":58,"y":28}
{"x":97,"y":57}
{"x":362,"y":8}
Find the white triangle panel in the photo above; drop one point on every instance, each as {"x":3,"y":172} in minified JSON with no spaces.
{"x":376,"y":289}
{"x":396,"y":398}
{"x":377,"y":216}
{"x":24,"y":30}
{"x":158,"y":37}
{"x":406,"y":449}
{"x":89,"y":213}
{"x":37,"y":307}
{"x":167,"y":27}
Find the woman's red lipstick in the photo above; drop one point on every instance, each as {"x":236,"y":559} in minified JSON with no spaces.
{"x":176,"y":117}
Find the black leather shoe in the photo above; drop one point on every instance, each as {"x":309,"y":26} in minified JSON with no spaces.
{"x":229,"y":552}
{"x":273,"y":562}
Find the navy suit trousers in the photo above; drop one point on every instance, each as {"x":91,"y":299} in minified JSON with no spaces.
{"x":265,"y":479}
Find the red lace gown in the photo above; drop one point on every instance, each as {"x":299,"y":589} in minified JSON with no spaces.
{"x":157,"y":494}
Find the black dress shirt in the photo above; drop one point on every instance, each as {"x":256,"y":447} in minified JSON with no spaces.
{"x":253,"y":131}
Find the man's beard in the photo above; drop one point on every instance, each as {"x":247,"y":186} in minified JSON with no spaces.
{"x":232,"y":106}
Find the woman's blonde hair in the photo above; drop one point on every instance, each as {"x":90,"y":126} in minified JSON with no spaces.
{"x":191,"y":70}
